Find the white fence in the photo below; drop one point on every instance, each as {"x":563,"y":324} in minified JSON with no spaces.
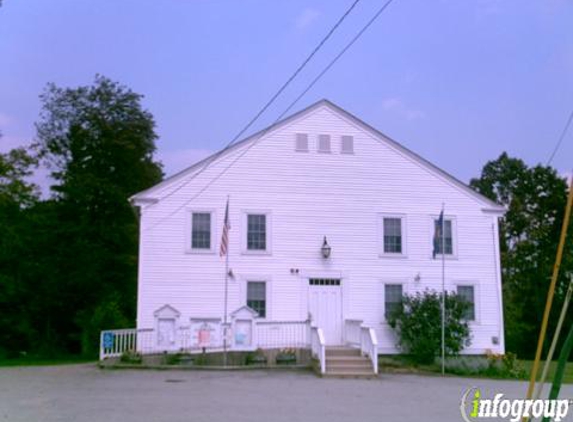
{"x":282,"y":334}
{"x":265,"y":335}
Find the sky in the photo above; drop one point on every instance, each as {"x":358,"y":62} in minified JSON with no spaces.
{"x":456,"y":81}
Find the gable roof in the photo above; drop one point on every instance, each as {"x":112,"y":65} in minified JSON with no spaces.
{"x":146,"y":195}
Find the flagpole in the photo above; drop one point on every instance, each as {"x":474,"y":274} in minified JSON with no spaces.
{"x":443,"y":294}
{"x":226,"y":293}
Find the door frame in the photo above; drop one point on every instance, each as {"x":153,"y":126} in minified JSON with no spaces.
{"x":340,"y":287}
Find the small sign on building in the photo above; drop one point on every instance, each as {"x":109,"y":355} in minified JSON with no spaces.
{"x":107,"y":340}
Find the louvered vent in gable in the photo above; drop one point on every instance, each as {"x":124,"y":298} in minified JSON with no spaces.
{"x":301,"y":143}
{"x":323,"y":143}
{"x":347,"y":144}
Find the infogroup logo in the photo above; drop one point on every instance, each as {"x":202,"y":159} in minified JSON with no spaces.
{"x":474,"y":407}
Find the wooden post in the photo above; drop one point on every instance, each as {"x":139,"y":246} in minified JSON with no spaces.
{"x":563,"y":357}
{"x":549,"y":356}
{"x":551,"y":292}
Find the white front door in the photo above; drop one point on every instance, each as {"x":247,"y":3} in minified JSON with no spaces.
{"x":325,"y":308}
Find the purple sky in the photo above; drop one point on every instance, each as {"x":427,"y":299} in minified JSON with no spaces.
{"x":456,"y":81}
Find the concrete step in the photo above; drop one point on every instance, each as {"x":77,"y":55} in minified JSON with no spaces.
{"x":347,"y":373}
{"x":358,"y":365}
{"x":346,"y":367}
{"x":347,"y":359}
{"x":341,"y":351}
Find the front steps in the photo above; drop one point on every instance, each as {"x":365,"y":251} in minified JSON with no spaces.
{"x":347,"y":362}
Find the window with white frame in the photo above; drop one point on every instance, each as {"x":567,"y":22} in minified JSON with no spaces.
{"x":323,"y":143}
{"x":201,"y":231}
{"x":257,"y":232}
{"x":392,"y":235}
{"x":257,"y":297}
{"x":301,"y":142}
{"x":347,"y":144}
{"x":468,"y":294}
{"x":448,"y":237}
{"x":392,"y":298}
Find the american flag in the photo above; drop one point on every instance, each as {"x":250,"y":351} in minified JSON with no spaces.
{"x":226,"y":228}
{"x":438,"y":233}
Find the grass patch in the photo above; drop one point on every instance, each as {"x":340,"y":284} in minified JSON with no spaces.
{"x":42,"y":361}
{"x":567,"y":377}
{"x":469,"y":366}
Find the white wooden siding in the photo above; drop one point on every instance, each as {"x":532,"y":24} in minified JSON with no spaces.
{"x":311,"y":195}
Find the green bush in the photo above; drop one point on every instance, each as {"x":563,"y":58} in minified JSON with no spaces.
{"x":256,"y":358}
{"x":130,"y":357}
{"x":418,"y":325}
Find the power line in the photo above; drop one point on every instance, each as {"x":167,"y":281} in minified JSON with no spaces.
{"x":294,"y":75}
{"x":264,"y":132}
{"x":561,"y":138}
{"x":339,"y":55}
{"x":271,"y":100}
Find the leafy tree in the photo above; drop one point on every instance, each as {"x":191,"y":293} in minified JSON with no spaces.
{"x":535,"y":199}
{"x":418,"y":324}
{"x":15,"y":166}
{"x":98,"y":143}
{"x":16,"y":196}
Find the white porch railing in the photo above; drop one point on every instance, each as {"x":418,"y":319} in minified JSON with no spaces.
{"x":116,"y":342}
{"x":369,"y":346}
{"x":281,"y":334}
{"x":318,"y":347}
{"x":266,"y":335}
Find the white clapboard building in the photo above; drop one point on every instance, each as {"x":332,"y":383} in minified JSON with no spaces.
{"x":331,"y":222}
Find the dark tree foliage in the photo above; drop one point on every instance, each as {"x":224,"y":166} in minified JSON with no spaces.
{"x":98,"y":142}
{"x":418,"y":325}
{"x":17,"y":196}
{"x":535,"y":198}
{"x":72,"y":260}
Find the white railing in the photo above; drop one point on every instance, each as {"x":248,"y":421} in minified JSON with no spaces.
{"x":369,"y":346}
{"x":318,"y":347}
{"x":266,"y":335}
{"x":352,"y":331}
{"x":116,"y":342}
{"x":281,"y":334}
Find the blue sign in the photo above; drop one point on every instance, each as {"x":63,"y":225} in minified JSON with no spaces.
{"x":107,"y":340}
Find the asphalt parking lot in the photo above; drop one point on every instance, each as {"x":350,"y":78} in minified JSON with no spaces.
{"x":85,"y":393}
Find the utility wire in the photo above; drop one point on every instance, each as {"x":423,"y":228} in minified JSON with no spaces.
{"x":264,"y":132}
{"x":561,"y":138}
{"x":271,"y":100}
{"x":327,"y":68}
